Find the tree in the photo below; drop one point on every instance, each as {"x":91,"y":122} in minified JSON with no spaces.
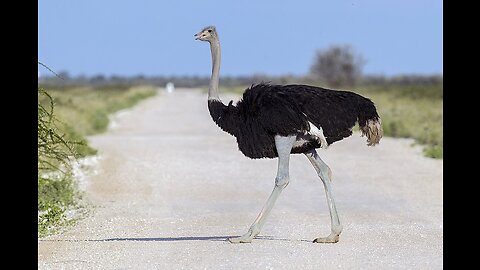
{"x":337,"y":66}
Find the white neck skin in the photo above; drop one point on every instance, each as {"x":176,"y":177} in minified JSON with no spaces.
{"x":213,"y":88}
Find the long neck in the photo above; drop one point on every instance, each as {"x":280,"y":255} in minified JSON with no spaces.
{"x":213,"y":89}
{"x":225,"y":117}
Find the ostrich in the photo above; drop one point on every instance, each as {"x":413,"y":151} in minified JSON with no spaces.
{"x":273,"y":121}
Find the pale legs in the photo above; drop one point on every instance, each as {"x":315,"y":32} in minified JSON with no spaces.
{"x":325,"y":175}
{"x":284,"y":146}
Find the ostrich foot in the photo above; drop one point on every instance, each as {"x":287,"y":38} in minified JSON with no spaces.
{"x":332,"y":238}
{"x":246,"y":238}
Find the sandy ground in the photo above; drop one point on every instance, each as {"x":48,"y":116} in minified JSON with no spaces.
{"x":171,"y":187}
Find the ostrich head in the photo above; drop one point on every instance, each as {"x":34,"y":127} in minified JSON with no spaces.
{"x":208,"y":33}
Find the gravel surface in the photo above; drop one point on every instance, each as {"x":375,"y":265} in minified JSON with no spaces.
{"x":170,"y":187}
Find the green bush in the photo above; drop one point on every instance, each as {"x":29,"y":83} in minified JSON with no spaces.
{"x":56,"y":195}
{"x":55,"y":187}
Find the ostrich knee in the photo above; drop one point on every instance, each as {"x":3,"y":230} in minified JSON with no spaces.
{"x":282,"y":182}
{"x":325,"y":173}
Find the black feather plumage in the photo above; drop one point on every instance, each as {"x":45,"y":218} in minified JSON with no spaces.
{"x":267,"y":110}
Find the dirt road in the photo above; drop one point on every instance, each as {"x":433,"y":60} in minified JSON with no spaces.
{"x":171,"y":187}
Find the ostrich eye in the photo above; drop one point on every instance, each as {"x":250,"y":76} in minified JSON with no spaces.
{"x":209,"y":30}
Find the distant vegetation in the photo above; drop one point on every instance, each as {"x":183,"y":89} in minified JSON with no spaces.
{"x":85,"y":110}
{"x":65,"y":116}
{"x":230,"y":81}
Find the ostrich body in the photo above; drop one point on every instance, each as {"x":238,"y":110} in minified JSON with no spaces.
{"x":274,"y":121}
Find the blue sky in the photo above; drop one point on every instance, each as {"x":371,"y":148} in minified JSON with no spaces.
{"x":273,"y":37}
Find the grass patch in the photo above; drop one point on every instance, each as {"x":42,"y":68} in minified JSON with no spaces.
{"x":411,"y":112}
{"x":86,"y":109}
{"x":65,"y":117}
{"x":56,"y":196}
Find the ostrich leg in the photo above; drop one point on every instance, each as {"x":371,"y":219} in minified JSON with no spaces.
{"x":284,"y":146}
{"x":325,"y":175}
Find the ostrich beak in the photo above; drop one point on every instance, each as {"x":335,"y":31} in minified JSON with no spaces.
{"x":200,"y":35}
